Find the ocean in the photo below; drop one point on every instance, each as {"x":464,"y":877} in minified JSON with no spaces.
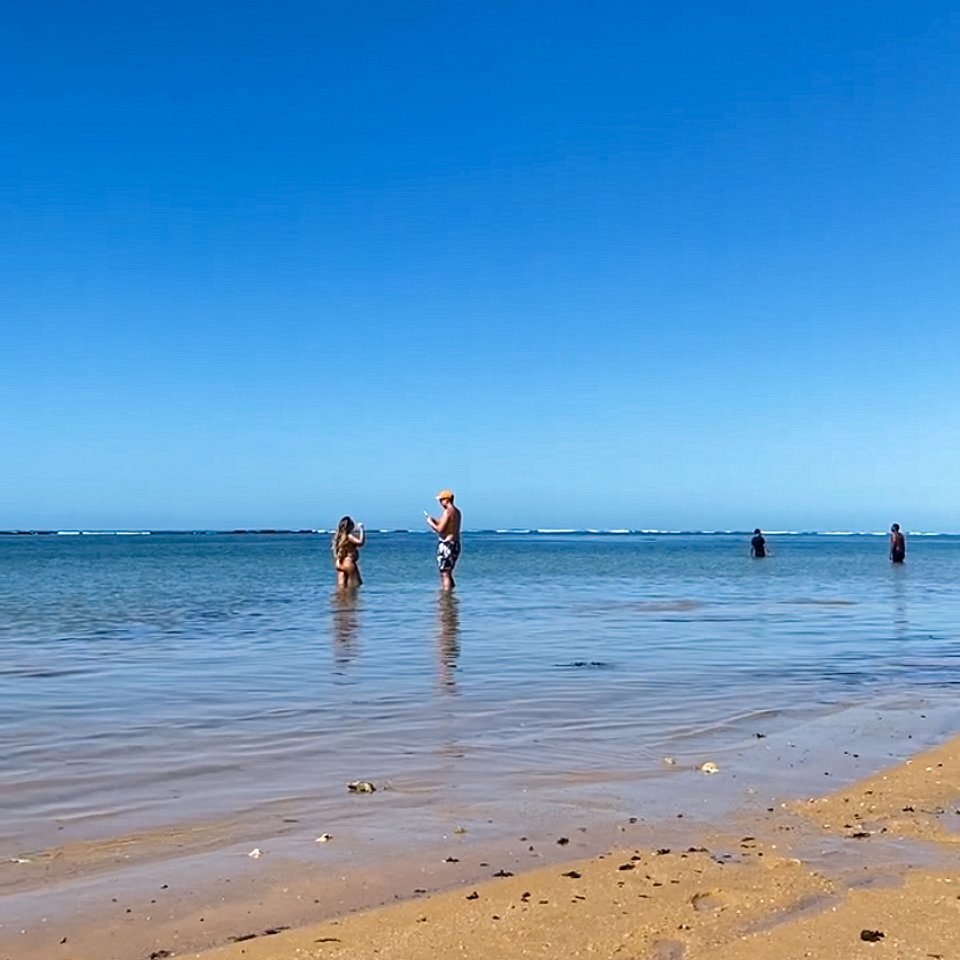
{"x":149,"y":684}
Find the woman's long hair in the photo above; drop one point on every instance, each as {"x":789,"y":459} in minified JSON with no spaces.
{"x":341,"y":545}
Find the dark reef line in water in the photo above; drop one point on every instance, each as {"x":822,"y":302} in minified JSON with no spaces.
{"x":268,"y":531}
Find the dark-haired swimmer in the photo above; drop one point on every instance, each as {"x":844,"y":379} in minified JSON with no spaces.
{"x":758,"y":546}
{"x":898,"y":545}
{"x":346,"y":552}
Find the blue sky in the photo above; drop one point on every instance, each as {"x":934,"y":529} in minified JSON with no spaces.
{"x":607,"y":264}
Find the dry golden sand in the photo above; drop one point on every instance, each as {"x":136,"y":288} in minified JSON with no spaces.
{"x":736,"y":896}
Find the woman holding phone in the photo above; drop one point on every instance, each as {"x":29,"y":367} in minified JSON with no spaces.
{"x":347,"y":541}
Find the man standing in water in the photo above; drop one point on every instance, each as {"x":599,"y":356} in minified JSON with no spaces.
{"x":898,"y":546}
{"x":758,"y":546}
{"x":447,"y":528}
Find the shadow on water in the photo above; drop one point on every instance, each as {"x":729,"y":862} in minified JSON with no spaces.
{"x":344,"y":626}
{"x":448,"y":640}
{"x":585,"y":665}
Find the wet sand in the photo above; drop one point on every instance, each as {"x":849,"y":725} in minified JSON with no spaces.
{"x":760,"y":878}
{"x":865,"y":872}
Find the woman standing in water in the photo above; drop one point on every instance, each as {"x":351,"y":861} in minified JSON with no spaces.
{"x":346,"y":552}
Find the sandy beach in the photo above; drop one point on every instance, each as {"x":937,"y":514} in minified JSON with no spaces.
{"x":869,"y":871}
{"x":866,"y":871}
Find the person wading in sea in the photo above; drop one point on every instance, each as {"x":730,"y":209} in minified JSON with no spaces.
{"x":345,"y":546}
{"x":758,"y":546}
{"x":898,"y":546}
{"x":447,"y":528}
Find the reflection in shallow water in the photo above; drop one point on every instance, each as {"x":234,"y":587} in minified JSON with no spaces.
{"x":901,"y":622}
{"x":448,"y":640}
{"x":344,"y":625}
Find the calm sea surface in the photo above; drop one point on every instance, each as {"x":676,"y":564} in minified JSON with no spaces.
{"x":153,"y":680}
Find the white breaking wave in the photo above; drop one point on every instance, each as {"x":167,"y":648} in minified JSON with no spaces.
{"x":104,"y":533}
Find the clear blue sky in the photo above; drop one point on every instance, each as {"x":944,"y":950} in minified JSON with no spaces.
{"x":589,"y":264}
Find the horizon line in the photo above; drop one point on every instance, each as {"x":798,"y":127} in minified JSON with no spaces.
{"x":501,"y":531}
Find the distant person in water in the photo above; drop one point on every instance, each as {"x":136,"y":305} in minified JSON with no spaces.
{"x":758,"y":546}
{"x":346,"y":544}
{"x":898,"y":546}
{"x":447,"y":528}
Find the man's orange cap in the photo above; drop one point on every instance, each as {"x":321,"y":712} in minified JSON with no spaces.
{"x":445,"y":495}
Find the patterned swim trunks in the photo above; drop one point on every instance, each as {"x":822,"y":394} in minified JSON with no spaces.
{"x":447,"y":553}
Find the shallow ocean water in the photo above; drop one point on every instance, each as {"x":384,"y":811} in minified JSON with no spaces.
{"x":159,"y":680}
